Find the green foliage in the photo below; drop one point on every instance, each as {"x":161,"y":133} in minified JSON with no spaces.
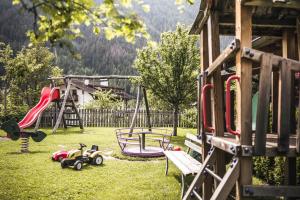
{"x":55,"y":21}
{"x":104,"y":100}
{"x":189,"y":117}
{"x":26,"y":75}
{"x":169,"y":69}
{"x":271,"y":170}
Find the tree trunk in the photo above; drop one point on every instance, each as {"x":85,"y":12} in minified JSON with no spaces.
{"x":175,"y":120}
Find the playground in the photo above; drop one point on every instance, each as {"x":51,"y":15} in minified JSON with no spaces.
{"x":36,"y":176}
{"x":245,"y":142}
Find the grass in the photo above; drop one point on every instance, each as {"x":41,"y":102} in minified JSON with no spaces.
{"x":35,"y":176}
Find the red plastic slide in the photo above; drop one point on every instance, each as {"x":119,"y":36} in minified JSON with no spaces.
{"x":47,"y":96}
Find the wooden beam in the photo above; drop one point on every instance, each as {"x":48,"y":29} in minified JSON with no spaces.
{"x":227,"y":54}
{"x":256,"y":56}
{"x":92,"y":77}
{"x":263,"y":23}
{"x":218,"y":91}
{"x":224,"y":188}
{"x":289,"y":51}
{"x":243,"y":18}
{"x":207,"y":185}
{"x":298,"y":124}
{"x":262,"y":118}
{"x":271,"y":191}
{"x":61,"y":112}
{"x":275,"y":85}
{"x":273,"y":3}
{"x":284,"y":107}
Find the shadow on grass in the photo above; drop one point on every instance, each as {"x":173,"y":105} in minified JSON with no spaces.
{"x":86,"y":166}
{"x":30,"y":152}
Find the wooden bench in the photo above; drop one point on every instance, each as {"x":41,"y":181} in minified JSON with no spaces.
{"x":183,"y":161}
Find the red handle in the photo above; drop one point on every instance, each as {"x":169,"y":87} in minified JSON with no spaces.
{"x":203,"y":94}
{"x":228,"y":105}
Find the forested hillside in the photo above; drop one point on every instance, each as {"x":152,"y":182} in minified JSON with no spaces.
{"x":98,"y":55}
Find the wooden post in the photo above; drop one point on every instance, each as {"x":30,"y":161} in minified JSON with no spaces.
{"x":61,"y":112}
{"x":243,"y":20}
{"x":218,"y":91}
{"x":286,"y":107}
{"x":207,"y":185}
{"x":298,"y":124}
{"x":37,"y":123}
{"x":262,"y":118}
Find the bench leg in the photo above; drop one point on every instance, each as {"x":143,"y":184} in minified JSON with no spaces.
{"x":167,"y":165}
{"x":182,"y":186}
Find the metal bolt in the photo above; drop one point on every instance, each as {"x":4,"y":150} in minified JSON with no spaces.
{"x":251,"y":54}
{"x":246,"y":150}
{"x":247,"y":51}
{"x":231,"y":46}
{"x":248,"y":191}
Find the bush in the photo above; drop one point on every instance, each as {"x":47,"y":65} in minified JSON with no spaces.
{"x":271,"y":170}
{"x":189,"y":118}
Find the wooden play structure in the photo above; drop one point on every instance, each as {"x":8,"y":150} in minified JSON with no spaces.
{"x":265,"y":52}
{"x":66,"y":105}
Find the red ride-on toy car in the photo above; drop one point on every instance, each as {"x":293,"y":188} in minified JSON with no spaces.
{"x":59,"y":155}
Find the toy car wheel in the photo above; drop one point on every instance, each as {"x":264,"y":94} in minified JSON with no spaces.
{"x":64,"y":163}
{"x":78,"y":165}
{"x":97,"y":160}
{"x":60,"y":158}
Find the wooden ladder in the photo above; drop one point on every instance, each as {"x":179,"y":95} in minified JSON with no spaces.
{"x":67,"y":101}
{"x":225,"y":184}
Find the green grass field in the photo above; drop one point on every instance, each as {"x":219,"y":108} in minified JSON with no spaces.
{"x":36,"y":176}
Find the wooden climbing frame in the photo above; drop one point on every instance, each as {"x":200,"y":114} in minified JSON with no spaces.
{"x":265,"y":51}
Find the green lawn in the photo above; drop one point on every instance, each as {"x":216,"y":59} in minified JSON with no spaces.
{"x":35,"y":176}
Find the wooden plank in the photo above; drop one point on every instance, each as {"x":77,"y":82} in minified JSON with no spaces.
{"x":193,"y":146}
{"x":227,"y":54}
{"x":218,"y":114}
{"x":201,"y":18}
{"x":275,"y":85}
{"x":193,"y":138}
{"x":289,"y":51}
{"x":284,"y":107}
{"x":262,"y":118}
{"x":243,"y":18}
{"x":184,"y":162}
{"x":271,"y":191}
{"x":228,"y":181}
{"x":204,"y":63}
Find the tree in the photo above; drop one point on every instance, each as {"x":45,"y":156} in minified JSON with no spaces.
{"x":169,"y":69}
{"x":58,"y":21}
{"x":104,"y":100}
{"x":25,"y":76}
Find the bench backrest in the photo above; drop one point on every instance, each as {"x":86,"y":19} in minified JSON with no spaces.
{"x":192,"y":142}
